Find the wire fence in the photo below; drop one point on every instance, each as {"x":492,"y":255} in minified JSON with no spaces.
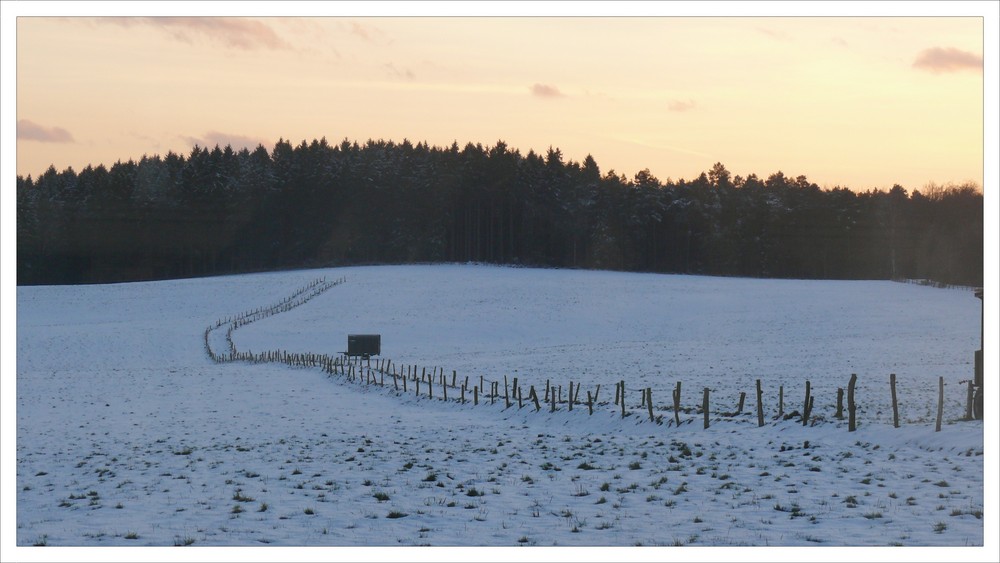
{"x":436,"y":384}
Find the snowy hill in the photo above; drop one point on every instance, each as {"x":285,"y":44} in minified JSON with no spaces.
{"x":129,"y":434}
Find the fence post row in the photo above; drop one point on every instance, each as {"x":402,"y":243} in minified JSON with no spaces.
{"x":366,"y":373}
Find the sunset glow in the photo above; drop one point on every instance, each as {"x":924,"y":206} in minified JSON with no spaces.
{"x":859,"y":102}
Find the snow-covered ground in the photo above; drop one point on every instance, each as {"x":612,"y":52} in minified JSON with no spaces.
{"x":128,"y":434}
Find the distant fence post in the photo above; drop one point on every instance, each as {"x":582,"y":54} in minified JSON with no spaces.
{"x":649,"y":402}
{"x":781,"y":401}
{"x":851,"y":406}
{"x":805,"y":408}
{"x":760,"y":406}
{"x":623,"y":397}
{"x":895,"y":405}
{"x":704,"y":405}
{"x":969,"y":401}
{"x":677,"y":404}
{"x":506,"y":391}
{"x":940,"y":409}
{"x":840,"y":404}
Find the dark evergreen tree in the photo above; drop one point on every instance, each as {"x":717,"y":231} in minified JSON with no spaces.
{"x":314,"y":204}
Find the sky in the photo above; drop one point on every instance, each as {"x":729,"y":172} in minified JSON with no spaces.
{"x":857,"y":100}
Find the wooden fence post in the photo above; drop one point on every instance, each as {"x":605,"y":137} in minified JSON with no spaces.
{"x":506,"y":391}
{"x":590,"y":404}
{"x":520,"y":397}
{"x":623,"y":397}
{"x":760,"y":406}
{"x":940,"y":410}
{"x":677,"y":404}
{"x":534,"y":396}
{"x":840,"y":404}
{"x":739,"y":408}
{"x":805,"y":408}
{"x":617,"y":392}
{"x":649,"y":402}
{"x":475,"y":395}
{"x":895,"y":405}
{"x":851,"y":407}
{"x":781,"y":401}
{"x":571,"y":394}
{"x":704,"y":405}
{"x":969,"y":401}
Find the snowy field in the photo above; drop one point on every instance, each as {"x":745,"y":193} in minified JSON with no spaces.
{"x":128,"y":434}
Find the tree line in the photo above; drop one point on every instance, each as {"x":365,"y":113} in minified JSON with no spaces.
{"x":222,"y":211}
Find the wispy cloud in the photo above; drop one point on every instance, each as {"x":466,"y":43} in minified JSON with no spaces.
{"x":364,"y":31}
{"x":28,"y":130}
{"x":238,"y":33}
{"x":948,"y":59}
{"x":237,"y":142}
{"x":546,"y":91}
{"x":398,"y":72}
{"x":774,"y":33}
{"x":681,"y":105}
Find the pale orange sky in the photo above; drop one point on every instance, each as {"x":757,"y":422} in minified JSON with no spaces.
{"x":860,"y":102}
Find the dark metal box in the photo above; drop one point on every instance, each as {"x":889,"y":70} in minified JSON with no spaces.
{"x":364,"y":345}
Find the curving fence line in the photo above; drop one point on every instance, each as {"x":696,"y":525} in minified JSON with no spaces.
{"x":230,"y":324}
{"x":438,"y":385}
